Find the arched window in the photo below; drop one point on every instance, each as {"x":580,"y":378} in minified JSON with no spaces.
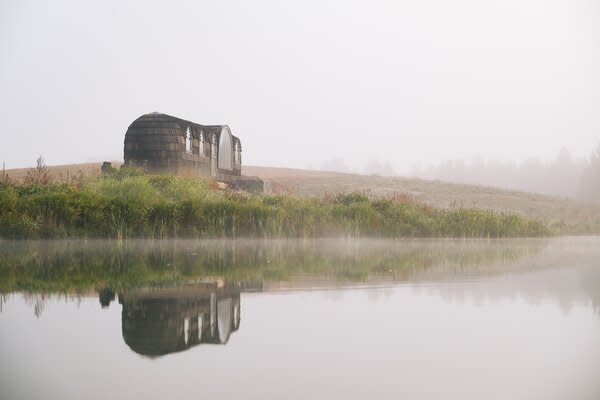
{"x":186,"y":330}
{"x":200,"y":327}
{"x":201,"y":144}
{"x":188,"y":140}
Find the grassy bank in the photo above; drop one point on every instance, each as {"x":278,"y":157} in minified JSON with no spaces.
{"x":131,"y":204}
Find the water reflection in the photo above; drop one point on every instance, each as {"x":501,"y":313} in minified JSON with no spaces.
{"x":156,"y":322}
{"x":79,"y":266}
{"x":565,"y":270}
{"x":456,"y":315}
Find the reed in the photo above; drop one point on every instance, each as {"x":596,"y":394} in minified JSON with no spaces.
{"x":130,"y":204}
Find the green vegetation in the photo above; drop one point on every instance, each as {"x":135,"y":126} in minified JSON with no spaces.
{"x":129,"y":204}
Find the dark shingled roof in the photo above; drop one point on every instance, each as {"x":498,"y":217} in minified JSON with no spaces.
{"x":158,"y":121}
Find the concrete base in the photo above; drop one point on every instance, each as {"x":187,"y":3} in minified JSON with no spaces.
{"x":246,"y":183}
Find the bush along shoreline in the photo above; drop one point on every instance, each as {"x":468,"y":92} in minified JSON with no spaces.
{"x":130,"y":204}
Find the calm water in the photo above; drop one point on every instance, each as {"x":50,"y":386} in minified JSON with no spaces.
{"x":439,"y":319}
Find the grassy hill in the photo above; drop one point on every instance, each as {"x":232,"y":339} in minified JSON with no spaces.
{"x":564,"y":214}
{"x":576,"y":216}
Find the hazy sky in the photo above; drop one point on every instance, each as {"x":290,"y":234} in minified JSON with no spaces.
{"x":303,"y":82}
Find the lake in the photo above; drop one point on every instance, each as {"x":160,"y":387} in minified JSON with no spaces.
{"x":300,"y":319}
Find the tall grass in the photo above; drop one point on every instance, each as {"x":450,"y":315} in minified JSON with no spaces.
{"x":130,"y":204}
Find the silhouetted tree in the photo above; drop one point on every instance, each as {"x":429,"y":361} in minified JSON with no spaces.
{"x":590,"y":180}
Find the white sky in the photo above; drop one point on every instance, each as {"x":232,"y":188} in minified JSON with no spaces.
{"x":304,"y":82}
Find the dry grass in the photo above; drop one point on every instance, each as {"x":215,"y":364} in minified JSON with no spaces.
{"x":580,"y":217}
{"x":62,"y":173}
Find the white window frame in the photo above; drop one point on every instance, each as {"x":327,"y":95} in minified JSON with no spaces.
{"x":188,"y":140}
{"x":201,"y":144}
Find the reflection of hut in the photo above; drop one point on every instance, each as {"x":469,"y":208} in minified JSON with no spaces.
{"x":163,"y":321}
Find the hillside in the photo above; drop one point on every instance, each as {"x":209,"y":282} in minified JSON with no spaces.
{"x":581,"y":217}
{"x":578,"y":216}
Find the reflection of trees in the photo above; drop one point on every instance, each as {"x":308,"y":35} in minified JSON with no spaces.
{"x":156,"y":322}
{"x":38,"y":300}
{"x":573,"y":283}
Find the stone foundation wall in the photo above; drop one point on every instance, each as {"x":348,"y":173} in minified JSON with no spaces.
{"x":246,"y":183}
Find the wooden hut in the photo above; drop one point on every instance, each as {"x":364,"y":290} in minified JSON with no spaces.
{"x":161,"y":143}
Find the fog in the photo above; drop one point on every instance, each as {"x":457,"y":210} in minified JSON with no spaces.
{"x":392,"y":87}
{"x":563,"y":176}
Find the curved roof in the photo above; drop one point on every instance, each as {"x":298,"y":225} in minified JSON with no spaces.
{"x":160,"y":123}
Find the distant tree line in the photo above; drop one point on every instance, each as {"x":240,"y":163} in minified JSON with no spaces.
{"x":563,"y":176}
{"x":590,"y":178}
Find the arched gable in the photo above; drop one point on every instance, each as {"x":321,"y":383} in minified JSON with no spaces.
{"x":225,"y":149}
